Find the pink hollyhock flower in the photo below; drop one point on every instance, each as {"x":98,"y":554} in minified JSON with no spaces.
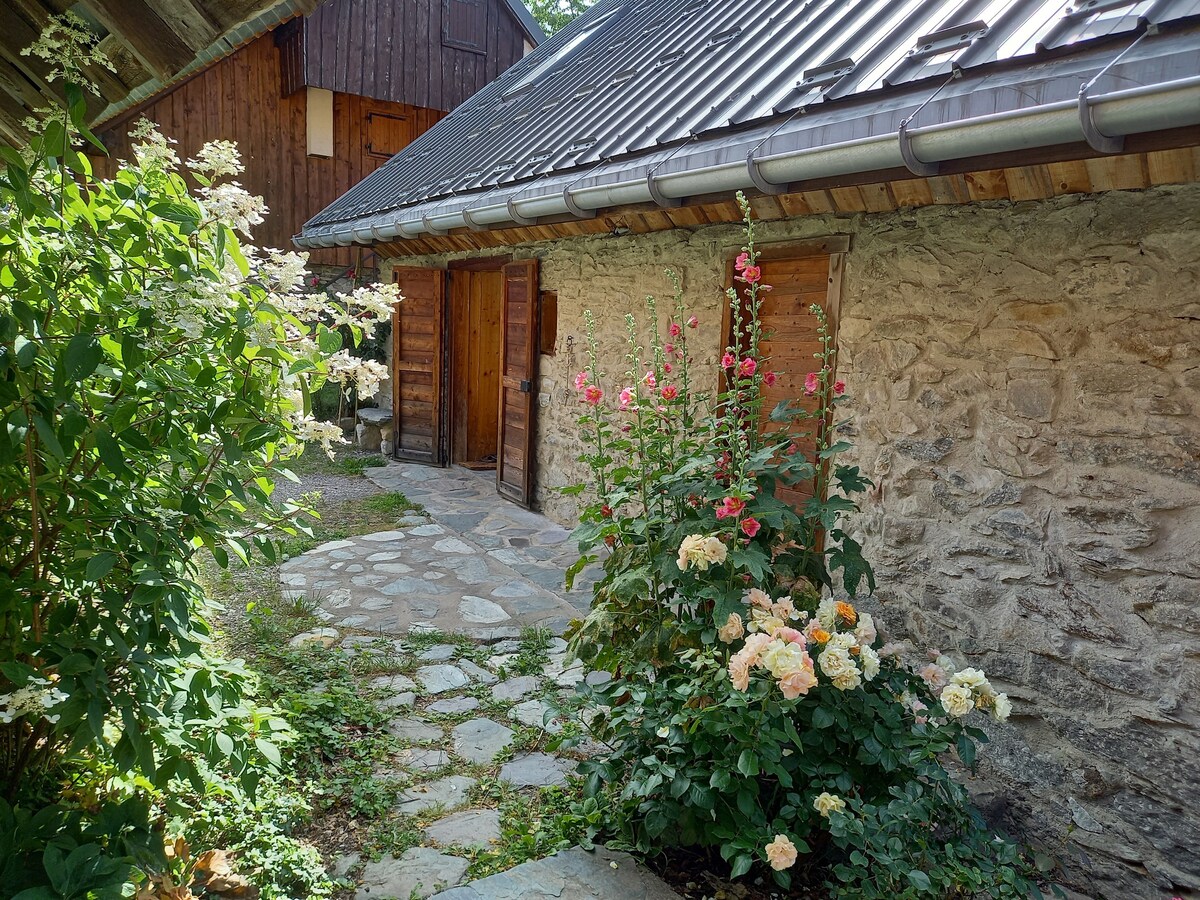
{"x":674,"y":330}
{"x":593,"y":394}
{"x":748,"y":367}
{"x":606,"y":511}
{"x":751,"y":274}
{"x":693,"y":322}
{"x":669,"y":347}
{"x":769,"y":379}
{"x":728,"y":361}
{"x":765,"y":287}
{"x":750,"y":526}
{"x":626,"y":397}
{"x":667,"y":368}
{"x":626,"y":428}
{"x":661,"y":408}
{"x":742,"y":261}
{"x":730,"y":508}
{"x":839,"y":387}
{"x":650,"y":380}
{"x":792,"y":448}
{"x":670,"y":392}
{"x":812,"y":383}
{"x":581,"y":381}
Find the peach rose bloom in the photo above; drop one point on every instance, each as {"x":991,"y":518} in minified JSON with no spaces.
{"x":732,"y":629}
{"x":781,"y":853}
{"x":758,"y":598}
{"x":739,"y":672}
{"x":797,"y":684}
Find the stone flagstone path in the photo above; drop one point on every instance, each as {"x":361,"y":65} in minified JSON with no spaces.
{"x":475,"y":564}
{"x":480,"y":567}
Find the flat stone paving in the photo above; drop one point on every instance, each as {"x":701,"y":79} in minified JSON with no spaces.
{"x":476,"y":564}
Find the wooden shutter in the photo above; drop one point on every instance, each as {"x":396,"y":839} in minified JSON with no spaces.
{"x":417,"y":364}
{"x":518,"y":371}
{"x":799,"y":277}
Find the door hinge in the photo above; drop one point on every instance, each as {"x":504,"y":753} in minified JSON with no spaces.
{"x":526,"y":387}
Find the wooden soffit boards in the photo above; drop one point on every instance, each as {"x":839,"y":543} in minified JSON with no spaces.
{"x":1034,"y":181}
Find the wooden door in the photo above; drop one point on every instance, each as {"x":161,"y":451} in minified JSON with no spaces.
{"x":799,"y":277}
{"x":518,"y":370}
{"x":474,"y":333}
{"x":417,"y":365}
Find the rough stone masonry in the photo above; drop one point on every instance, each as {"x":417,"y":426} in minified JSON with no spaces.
{"x":1025,"y":381}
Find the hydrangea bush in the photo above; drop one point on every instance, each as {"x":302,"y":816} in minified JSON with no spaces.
{"x":155,"y":375}
{"x":753,"y":707}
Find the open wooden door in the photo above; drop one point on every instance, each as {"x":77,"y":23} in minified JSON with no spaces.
{"x":417,"y":365}
{"x":518,"y":377}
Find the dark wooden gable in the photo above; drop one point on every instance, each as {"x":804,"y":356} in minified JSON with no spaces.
{"x":430,"y":53}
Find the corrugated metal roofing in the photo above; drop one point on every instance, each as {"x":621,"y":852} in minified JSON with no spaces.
{"x":631,"y":77}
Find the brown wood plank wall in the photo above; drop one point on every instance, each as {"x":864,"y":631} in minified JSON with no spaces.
{"x":394,"y":50}
{"x":240,"y":99}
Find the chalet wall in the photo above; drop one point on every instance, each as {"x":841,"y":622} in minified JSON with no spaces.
{"x":1026,"y":381}
{"x":240,"y":99}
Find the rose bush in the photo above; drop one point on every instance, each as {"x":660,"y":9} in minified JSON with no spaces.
{"x":752,"y":705}
{"x":154,"y":381}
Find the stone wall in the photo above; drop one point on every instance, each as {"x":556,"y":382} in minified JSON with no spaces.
{"x":1025,"y":380}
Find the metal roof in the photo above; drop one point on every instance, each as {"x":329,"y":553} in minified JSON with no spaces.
{"x":661,"y":85}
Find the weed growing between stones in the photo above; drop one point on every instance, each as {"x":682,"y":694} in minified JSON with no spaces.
{"x":753,"y":708}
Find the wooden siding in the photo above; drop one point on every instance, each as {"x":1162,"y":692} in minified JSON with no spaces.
{"x":410,"y":51}
{"x":240,"y":98}
{"x":1134,"y":170}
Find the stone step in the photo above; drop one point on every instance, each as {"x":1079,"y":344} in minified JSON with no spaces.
{"x":577,"y":874}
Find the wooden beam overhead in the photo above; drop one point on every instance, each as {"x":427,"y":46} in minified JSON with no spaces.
{"x":155,"y":43}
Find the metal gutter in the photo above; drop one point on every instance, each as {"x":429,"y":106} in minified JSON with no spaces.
{"x":1115,"y":114}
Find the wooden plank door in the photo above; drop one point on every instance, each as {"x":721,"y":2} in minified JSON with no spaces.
{"x":518,"y":376}
{"x":417,"y":365}
{"x":799,"y":277}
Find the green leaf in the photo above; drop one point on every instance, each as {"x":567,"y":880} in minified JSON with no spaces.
{"x":81,"y":357}
{"x":747,"y":763}
{"x":49,"y":438}
{"x":822,"y":718}
{"x":920,"y":880}
{"x":330,"y":342}
{"x":100,"y":565}
{"x":741,"y":865}
{"x":26,"y":351}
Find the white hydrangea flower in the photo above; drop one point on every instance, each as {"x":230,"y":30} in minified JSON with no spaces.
{"x":232,"y":205}
{"x":217,"y":158}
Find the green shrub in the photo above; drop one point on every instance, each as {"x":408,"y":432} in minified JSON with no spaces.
{"x":753,"y":707}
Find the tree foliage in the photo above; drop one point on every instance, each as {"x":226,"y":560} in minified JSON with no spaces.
{"x":554,"y":15}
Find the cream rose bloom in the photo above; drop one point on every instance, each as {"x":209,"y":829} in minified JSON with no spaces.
{"x":866,"y":632}
{"x":691,"y":552}
{"x":781,"y":853}
{"x":869,"y":660}
{"x":1001,"y":708}
{"x":835,"y":661}
{"x":797,"y":684}
{"x":739,"y":672}
{"x":784,"y":609}
{"x":732,"y":630}
{"x":847,"y":681}
{"x":761,"y":620}
{"x":935,"y":676}
{"x":957,"y":700}
{"x":827,"y":803}
{"x":970,"y":678}
{"x":827,"y":613}
{"x":715,"y":550}
{"x":783,"y":658}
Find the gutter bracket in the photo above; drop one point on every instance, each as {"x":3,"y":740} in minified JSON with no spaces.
{"x":756,"y":176}
{"x":516,"y":216}
{"x":471,"y":223}
{"x":429,"y":229}
{"x":658,"y":196}
{"x":574,"y":208}
{"x":914,"y":165}
{"x":1095,"y":138}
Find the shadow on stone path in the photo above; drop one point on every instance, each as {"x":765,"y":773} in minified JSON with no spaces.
{"x":475,"y":564}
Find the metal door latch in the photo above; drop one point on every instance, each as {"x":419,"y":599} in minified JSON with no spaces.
{"x":526,"y":387}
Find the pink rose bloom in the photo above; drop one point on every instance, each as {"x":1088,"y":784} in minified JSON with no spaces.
{"x":593,"y":394}
{"x":748,"y":367}
{"x":626,"y":397}
{"x":669,"y":347}
{"x":670,"y":392}
{"x":769,"y":379}
{"x":674,"y":330}
{"x":650,"y":380}
{"x":728,"y":361}
{"x":751,"y":274}
{"x":935,"y":676}
{"x":812,"y":383}
{"x":693,"y":322}
{"x":797,"y":684}
{"x":750,"y":526}
{"x":754,"y":646}
{"x":791,"y":635}
{"x":581,"y":381}
{"x":839,"y":387}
